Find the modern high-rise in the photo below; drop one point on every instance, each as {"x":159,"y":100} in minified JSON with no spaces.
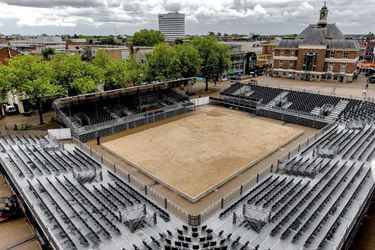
{"x":172,"y":25}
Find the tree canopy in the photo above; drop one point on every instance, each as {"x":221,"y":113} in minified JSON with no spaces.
{"x":47,"y":53}
{"x":110,"y":40}
{"x":146,"y":37}
{"x":4,"y":85}
{"x":215,"y":57}
{"x":69,"y":71}
{"x":38,"y":79}
{"x":118,"y":73}
{"x":167,"y":63}
{"x":33,"y":74}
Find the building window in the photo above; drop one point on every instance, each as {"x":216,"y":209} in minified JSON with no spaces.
{"x":345,"y":54}
{"x":343,"y":68}
{"x":291,"y":65}
{"x":282,"y":52}
{"x":309,"y":62}
{"x":281,"y":65}
{"x":330,"y":68}
{"x":331,"y":54}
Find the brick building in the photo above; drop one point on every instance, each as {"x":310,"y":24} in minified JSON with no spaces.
{"x":369,"y":53}
{"x":320,"y":52}
{"x":6,"y":53}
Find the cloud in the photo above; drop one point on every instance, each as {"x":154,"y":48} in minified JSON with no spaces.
{"x":172,"y":5}
{"x":259,"y":9}
{"x":262,"y":16}
{"x":54,"y":3}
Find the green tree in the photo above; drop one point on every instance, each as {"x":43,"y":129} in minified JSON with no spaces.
{"x":68,"y":72}
{"x":189,"y":60}
{"x":110,"y":40}
{"x":48,"y":53}
{"x":4,"y":87}
{"x":101,"y":59}
{"x":163,"y":63}
{"x":178,"y":41}
{"x":215,"y":58}
{"x":135,"y":72}
{"x":34,"y":76}
{"x":146,"y":37}
{"x":168,"y":63}
{"x":113,"y":70}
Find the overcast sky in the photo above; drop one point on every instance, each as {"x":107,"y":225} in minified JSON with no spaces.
{"x":103,"y":17}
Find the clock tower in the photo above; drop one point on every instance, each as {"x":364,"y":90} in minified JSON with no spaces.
{"x":323,"y":16}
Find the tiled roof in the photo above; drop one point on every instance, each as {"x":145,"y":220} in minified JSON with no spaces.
{"x":328,"y":35}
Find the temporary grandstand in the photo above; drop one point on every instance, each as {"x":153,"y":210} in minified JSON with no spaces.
{"x":104,"y":113}
{"x":301,"y":107}
{"x":313,"y":198}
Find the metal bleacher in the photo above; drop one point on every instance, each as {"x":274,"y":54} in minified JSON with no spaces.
{"x":78,"y":203}
{"x":312,"y":199}
{"x":90,"y":117}
{"x":300,"y":107}
{"x":310,"y":209}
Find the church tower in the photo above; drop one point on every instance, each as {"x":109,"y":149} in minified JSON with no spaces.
{"x":323,"y":16}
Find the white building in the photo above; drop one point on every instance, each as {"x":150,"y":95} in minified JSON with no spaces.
{"x":172,"y":25}
{"x":245,"y":46}
{"x":35,"y":45}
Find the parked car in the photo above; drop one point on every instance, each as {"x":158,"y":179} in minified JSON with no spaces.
{"x":9,"y":109}
{"x":371,"y":79}
{"x":370,"y":72}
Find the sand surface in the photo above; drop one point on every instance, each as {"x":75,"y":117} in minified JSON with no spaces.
{"x":198,"y":152}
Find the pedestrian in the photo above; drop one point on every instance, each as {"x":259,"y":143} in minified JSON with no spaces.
{"x":364,"y":93}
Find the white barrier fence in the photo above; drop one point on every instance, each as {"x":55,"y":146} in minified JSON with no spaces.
{"x":201,"y":101}
{"x":60,"y":134}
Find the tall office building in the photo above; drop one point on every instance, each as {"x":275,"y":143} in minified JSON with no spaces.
{"x":172,"y":25}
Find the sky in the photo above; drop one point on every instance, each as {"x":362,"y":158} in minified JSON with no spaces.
{"x":105,"y":17}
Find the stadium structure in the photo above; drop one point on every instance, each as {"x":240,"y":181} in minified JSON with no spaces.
{"x":313,"y":197}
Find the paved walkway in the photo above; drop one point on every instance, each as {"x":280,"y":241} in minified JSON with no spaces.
{"x":16,"y":234}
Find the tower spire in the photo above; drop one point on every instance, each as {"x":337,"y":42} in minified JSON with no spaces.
{"x":323,"y":15}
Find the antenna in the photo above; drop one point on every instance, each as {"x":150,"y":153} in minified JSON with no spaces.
{"x":116,"y":33}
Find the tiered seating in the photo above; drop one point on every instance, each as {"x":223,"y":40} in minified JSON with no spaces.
{"x":232,"y":88}
{"x":357,"y":109}
{"x":306,"y":102}
{"x":253,"y":224}
{"x":263,"y":184}
{"x":196,"y":238}
{"x":108,"y":110}
{"x":138,"y":196}
{"x":90,"y":117}
{"x":174,"y":96}
{"x":264,"y":94}
{"x":308,"y":109}
{"x":303,"y":167}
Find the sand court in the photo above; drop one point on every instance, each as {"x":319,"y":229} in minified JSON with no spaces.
{"x":195,"y":155}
